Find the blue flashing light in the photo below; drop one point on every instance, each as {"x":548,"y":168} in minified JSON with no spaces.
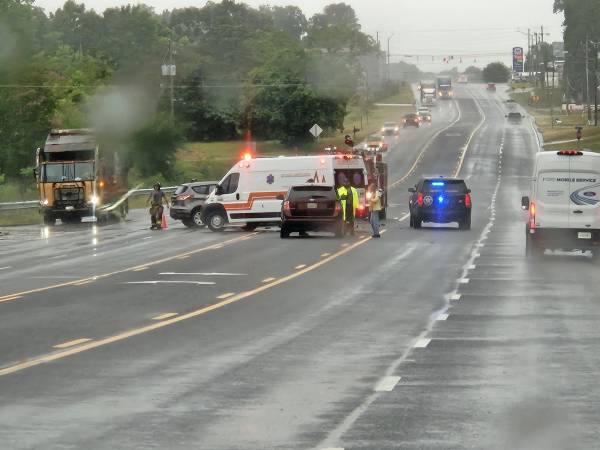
{"x":438,"y":183}
{"x":440,"y":199}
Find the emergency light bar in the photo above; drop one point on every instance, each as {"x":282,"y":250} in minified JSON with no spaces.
{"x":570,"y":153}
{"x":438,"y":183}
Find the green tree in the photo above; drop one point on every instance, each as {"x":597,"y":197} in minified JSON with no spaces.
{"x":290,"y":19}
{"x":496,"y":73}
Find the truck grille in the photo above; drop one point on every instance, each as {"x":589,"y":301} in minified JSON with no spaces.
{"x":69,"y":196}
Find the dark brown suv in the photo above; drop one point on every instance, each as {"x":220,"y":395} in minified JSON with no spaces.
{"x":311,"y":208}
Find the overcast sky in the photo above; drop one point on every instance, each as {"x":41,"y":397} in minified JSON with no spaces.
{"x":420,"y":27}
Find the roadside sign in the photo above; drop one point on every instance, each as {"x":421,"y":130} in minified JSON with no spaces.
{"x":518,"y":59}
{"x":316,"y":130}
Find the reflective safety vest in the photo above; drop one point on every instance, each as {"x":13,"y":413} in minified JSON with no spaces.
{"x":343,"y":195}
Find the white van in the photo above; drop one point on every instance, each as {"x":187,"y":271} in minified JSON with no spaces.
{"x":564,"y":208}
{"x":252,"y":191}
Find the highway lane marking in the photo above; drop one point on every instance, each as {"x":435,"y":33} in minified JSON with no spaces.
{"x":71,"y":343}
{"x":83,"y":283}
{"x":422,"y":343}
{"x":167,"y":322}
{"x":206,"y":274}
{"x":426,"y":147}
{"x":226,"y":295}
{"x":183,"y":257}
{"x":463,"y":281}
{"x":472,"y":267}
{"x":8,"y":299}
{"x":165,"y":316}
{"x":147,"y":237}
{"x":333,"y":448}
{"x":139,"y":269}
{"x":170,"y":282}
{"x":58,"y":257}
{"x":15,"y":295}
{"x":325,"y":254}
{"x":268,"y":280}
{"x":468,"y":143}
{"x":301,"y":266}
{"x":387,"y":384}
{"x":442,"y":317}
{"x":454,"y":297}
{"x":7,"y":267}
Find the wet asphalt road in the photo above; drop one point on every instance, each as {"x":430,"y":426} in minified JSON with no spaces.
{"x":119,"y":337}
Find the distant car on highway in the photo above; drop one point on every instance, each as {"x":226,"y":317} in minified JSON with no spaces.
{"x":187,"y":202}
{"x":311,"y":208}
{"x":440,"y":200}
{"x":411,"y":120}
{"x":390,"y":129}
{"x":512,"y":104}
{"x":515,"y":117}
{"x":376,"y":142}
{"x":491,"y":87}
{"x":425,"y":116}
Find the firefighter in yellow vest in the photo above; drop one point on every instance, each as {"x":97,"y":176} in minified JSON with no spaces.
{"x":348,"y":195}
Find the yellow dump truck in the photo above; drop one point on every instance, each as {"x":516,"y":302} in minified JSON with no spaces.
{"x":73,"y":181}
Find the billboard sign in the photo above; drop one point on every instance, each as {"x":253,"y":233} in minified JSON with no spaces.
{"x":518,"y":60}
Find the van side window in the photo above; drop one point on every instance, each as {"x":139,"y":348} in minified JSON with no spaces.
{"x":230,"y":184}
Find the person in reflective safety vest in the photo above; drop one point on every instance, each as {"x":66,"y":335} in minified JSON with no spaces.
{"x":348,"y":195}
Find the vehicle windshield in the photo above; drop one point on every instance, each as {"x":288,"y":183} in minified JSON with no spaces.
{"x":450,"y":186}
{"x":390,"y":124}
{"x":75,"y":171}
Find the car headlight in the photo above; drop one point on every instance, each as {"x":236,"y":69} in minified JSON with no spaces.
{"x":94,"y":200}
{"x":44,"y":202}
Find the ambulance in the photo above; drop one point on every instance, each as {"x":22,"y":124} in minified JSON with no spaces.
{"x":564,"y":207}
{"x":251,"y":193}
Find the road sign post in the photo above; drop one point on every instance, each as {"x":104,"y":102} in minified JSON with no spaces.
{"x":316,"y":131}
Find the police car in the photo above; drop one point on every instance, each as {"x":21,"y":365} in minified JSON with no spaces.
{"x":440,"y":200}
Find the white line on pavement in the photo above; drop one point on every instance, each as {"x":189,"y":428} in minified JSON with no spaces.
{"x":7,"y":267}
{"x":387,"y":384}
{"x":422,"y":343}
{"x":442,"y":317}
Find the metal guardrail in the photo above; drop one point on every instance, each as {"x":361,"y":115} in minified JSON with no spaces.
{"x":33,"y":204}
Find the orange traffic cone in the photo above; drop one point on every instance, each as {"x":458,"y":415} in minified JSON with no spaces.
{"x":164,"y":222}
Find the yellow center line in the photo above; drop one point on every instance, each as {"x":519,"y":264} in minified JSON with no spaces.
{"x":301,"y":266}
{"x":165,"y":323}
{"x":8,"y":299}
{"x":325,"y":254}
{"x":226,"y":295}
{"x":71,"y":343}
{"x":83,"y":283}
{"x":268,"y":280}
{"x":139,"y":269}
{"x":17,"y":295}
{"x":165,"y":316}
{"x":183,"y":257}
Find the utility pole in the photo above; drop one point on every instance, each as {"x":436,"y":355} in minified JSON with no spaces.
{"x":552,"y":91}
{"x":388,"y":56}
{"x":529,"y":52}
{"x":596,"y":84}
{"x":587,"y":77}
{"x":172,"y":78}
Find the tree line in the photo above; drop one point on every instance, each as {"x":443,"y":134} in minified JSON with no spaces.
{"x":269,"y":71}
{"x":582,"y":42}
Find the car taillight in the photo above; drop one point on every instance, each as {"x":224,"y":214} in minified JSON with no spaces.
{"x":184,"y":197}
{"x":532,"y":216}
{"x":338,"y":209}
{"x":420,"y":199}
{"x":286,"y":209}
{"x":468,"y":200}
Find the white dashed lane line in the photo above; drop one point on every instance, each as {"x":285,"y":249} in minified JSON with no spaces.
{"x":387,"y":384}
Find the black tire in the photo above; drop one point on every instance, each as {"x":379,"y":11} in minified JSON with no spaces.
{"x":189,"y":223}
{"x":250,"y":227}
{"x":532,"y":249}
{"x":465,"y":224}
{"x":216,"y":221}
{"x":196,"y":218}
{"x":417,"y":222}
{"x":71,"y":220}
{"x":49,"y":220}
{"x":285,"y":232}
